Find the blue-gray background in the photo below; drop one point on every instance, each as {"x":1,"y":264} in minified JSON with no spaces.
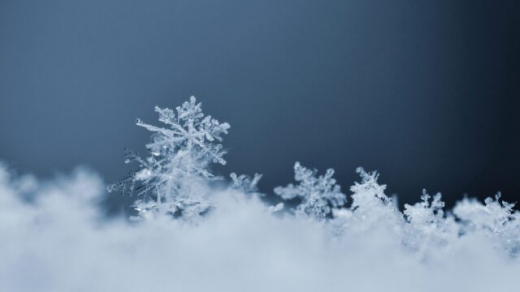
{"x":426,"y":92}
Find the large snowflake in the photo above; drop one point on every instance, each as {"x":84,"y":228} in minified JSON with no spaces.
{"x":179,"y":156}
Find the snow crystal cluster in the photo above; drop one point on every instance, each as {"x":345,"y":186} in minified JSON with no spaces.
{"x":173,"y":180}
{"x":192,"y":235}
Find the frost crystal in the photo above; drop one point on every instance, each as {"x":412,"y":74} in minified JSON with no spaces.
{"x":425,"y":213}
{"x":317,"y":194}
{"x":371,"y":208}
{"x":369,"y":191}
{"x":427,"y":225}
{"x":494,"y":219}
{"x":170,"y":178}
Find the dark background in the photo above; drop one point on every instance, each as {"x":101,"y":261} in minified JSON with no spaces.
{"x":426,"y":92}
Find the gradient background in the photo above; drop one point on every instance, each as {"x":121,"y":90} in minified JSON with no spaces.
{"x":426,"y":92}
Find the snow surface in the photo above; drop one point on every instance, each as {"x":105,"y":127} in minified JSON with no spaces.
{"x":54,"y":238}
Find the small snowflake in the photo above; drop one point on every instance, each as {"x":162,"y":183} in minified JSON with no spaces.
{"x":318,"y":194}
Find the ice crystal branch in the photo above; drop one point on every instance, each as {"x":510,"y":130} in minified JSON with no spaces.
{"x":245,"y":183}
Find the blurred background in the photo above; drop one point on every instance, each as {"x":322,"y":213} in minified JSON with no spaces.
{"x":426,"y":92}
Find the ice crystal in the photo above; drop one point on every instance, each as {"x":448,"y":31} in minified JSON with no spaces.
{"x":369,"y":191}
{"x":494,"y":219}
{"x":169,"y":179}
{"x":428,"y":227}
{"x":318,"y":194}
{"x":425,"y":212}
{"x":371,"y":208}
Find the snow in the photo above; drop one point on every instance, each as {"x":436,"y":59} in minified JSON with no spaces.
{"x":191,"y":235}
{"x":60,"y":241}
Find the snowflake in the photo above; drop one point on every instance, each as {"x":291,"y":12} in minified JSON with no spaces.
{"x":494,"y":219}
{"x":371,"y":208}
{"x":369,"y":191}
{"x":428,"y":228}
{"x":317,"y":194}
{"x":191,"y":135}
{"x":425,"y":213}
{"x":179,"y":159}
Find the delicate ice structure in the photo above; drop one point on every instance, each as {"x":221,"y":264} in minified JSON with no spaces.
{"x":371,"y":211}
{"x":245,"y":183}
{"x":495,"y":220}
{"x":429,"y":230}
{"x":318,"y":194}
{"x":170,"y":179}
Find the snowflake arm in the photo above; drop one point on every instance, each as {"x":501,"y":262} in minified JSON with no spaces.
{"x":245,"y":183}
